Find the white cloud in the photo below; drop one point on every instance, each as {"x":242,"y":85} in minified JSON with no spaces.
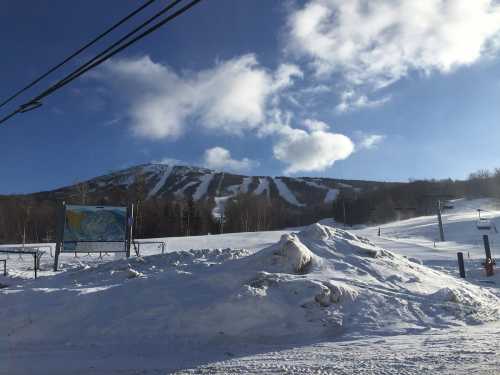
{"x":237,"y":96}
{"x":377,"y":42}
{"x":219,"y":158}
{"x":169,"y":161}
{"x":231,"y":97}
{"x":311,"y":151}
{"x":284,"y":76}
{"x":316,"y":89}
{"x":369,"y":141}
{"x":113,"y":121}
{"x":315,"y":125}
{"x":350,"y":100}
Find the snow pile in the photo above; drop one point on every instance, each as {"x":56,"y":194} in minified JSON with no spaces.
{"x":318,"y":283}
{"x":289,"y":255}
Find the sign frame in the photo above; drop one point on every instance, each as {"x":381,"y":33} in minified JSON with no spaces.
{"x":60,"y":228}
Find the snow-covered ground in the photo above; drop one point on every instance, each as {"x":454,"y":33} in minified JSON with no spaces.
{"x":311,"y":301}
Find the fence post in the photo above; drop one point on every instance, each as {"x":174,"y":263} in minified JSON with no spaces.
{"x":61,"y":212}
{"x":129,"y":229}
{"x":461,"y":265}
{"x":34,"y":259}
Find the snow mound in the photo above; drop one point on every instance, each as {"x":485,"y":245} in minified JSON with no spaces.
{"x":133,"y":273}
{"x":318,"y":283}
{"x":289,"y":255}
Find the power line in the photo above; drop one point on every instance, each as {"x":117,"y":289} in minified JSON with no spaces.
{"x":104,"y":55}
{"x":78,"y":52}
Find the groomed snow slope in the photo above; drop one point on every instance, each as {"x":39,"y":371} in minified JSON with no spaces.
{"x":312,"y":285}
{"x":460,"y":224}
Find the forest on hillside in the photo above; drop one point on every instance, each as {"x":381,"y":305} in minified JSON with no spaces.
{"x":31,"y":218}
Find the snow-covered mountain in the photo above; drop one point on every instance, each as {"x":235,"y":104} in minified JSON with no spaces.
{"x":186,"y":182}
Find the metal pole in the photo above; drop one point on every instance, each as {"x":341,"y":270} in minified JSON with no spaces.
{"x":487,"y":249}
{"x":461,"y":265}
{"x":488,"y":264}
{"x":440,"y":221}
{"x":343,"y":206}
{"x":129,"y":233}
{"x":34,"y":259}
{"x":59,"y":233}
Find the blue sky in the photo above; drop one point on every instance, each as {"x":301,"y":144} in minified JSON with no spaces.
{"x":391,"y":90}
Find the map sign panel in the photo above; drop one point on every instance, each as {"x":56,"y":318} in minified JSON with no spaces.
{"x":94,"y":224}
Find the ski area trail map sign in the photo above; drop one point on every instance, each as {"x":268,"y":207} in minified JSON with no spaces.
{"x":94,"y":224}
{"x":93,"y":229}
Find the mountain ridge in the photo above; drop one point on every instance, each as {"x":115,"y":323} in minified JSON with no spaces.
{"x":184,"y":182}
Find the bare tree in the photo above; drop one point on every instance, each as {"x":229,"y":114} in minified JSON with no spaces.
{"x":83,"y":190}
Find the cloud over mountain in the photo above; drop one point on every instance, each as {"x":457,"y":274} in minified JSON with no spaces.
{"x":231,"y":97}
{"x":236,"y":97}
{"x":313,"y":150}
{"x":220,"y":158}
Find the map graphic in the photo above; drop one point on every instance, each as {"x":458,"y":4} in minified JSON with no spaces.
{"x":94,"y":224}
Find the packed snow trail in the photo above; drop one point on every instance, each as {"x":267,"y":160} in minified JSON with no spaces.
{"x":262,"y":187}
{"x":331,"y":195}
{"x":285,"y":192}
{"x":467,"y":351}
{"x":463,"y":351}
{"x":161,"y":182}
{"x":201,"y":190}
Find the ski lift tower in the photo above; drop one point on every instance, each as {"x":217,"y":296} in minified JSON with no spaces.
{"x":440,"y":199}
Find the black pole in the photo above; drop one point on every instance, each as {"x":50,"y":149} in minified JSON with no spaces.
{"x":59,"y":233}
{"x":343,"y":206}
{"x":440,"y":221}
{"x":461,"y":265}
{"x":487,"y":249}
{"x":129,"y":229}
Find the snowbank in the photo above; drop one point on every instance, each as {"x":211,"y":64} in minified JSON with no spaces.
{"x":318,"y":283}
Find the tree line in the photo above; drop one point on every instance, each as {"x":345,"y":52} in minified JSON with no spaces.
{"x":415,"y":198}
{"x":31,"y":218}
